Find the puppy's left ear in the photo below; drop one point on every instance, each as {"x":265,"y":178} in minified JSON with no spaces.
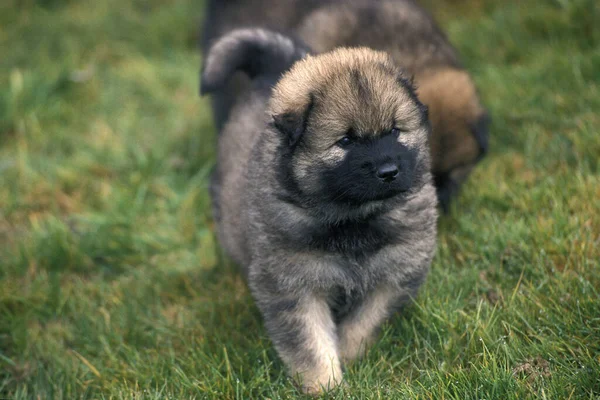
{"x":293,"y":124}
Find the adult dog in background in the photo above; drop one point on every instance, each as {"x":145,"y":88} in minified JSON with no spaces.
{"x":322,"y":193}
{"x":401,"y":28}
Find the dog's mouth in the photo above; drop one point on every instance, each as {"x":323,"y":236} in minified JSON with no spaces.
{"x":365,"y":186}
{"x":389,"y":194}
{"x":369,"y":195}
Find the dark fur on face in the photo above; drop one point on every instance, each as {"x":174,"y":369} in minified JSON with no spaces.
{"x":323,"y":194}
{"x":401,"y":28}
{"x":375,"y":168}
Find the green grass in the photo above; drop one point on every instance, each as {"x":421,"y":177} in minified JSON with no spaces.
{"x":111,"y":282}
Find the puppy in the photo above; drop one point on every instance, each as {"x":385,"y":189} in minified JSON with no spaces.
{"x":322,"y":193}
{"x":399,"y":27}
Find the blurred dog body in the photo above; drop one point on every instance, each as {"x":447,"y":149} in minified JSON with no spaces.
{"x":401,"y":28}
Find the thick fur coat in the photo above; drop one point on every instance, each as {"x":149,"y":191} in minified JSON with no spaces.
{"x":322,"y":193}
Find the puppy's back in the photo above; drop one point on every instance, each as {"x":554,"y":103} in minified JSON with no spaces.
{"x":401,"y":28}
{"x":261,"y":56}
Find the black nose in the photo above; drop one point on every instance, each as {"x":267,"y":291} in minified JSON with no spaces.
{"x":387,"y":172}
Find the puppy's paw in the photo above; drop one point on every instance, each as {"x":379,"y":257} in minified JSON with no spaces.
{"x":320,"y":387}
{"x":354,"y":343}
{"x":353,"y":349}
{"x":318,"y":382}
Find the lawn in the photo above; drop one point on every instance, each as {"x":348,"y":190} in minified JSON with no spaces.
{"x":112,"y":285}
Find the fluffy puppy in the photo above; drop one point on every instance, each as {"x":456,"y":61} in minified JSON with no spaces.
{"x":401,"y":28}
{"x":322,"y":193}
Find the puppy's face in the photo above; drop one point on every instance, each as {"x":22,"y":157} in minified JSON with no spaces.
{"x":355,"y":131}
{"x":368,"y":167}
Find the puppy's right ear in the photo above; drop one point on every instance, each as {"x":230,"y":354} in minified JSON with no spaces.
{"x":293,"y":124}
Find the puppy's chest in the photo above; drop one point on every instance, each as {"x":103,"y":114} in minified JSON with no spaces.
{"x":354,"y":239}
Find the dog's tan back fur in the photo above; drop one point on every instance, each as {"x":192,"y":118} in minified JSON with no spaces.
{"x":453,"y":108}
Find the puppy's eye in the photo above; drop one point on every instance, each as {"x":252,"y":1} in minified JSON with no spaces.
{"x":345,"y":141}
{"x":395,"y":132}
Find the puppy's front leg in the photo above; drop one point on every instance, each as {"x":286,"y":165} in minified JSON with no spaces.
{"x":357,"y":331}
{"x":304,"y":334}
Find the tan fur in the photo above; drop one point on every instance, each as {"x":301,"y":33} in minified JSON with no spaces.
{"x":315,"y":316}
{"x":357,"y":332}
{"x":332,"y":70}
{"x":338,"y":24}
{"x":453,"y":107}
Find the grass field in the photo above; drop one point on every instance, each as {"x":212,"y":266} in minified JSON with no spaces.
{"x":112,"y":285}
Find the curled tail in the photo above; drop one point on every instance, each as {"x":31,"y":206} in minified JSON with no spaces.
{"x":255,"y":51}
